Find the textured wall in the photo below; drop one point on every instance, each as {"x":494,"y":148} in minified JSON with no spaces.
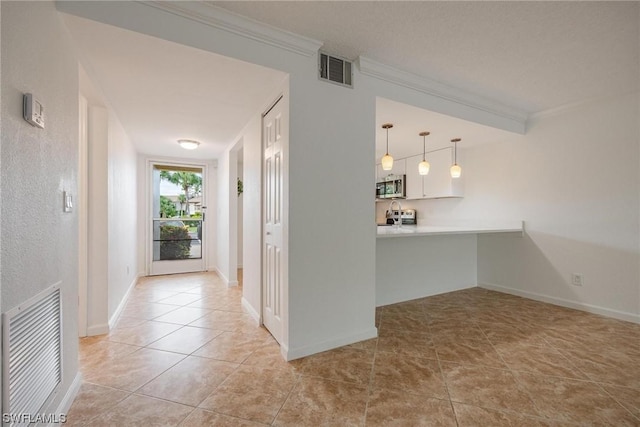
{"x":39,"y":241}
{"x":122,"y":209}
{"x":98,"y":236}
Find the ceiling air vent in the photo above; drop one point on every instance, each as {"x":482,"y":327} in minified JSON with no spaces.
{"x":335,"y":70}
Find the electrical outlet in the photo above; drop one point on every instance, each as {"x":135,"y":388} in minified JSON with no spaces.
{"x":576,"y":279}
{"x":127,"y":269}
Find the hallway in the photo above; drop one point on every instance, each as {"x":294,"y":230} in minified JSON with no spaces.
{"x":184,"y":353}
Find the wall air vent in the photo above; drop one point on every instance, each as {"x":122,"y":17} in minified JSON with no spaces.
{"x":335,"y":70}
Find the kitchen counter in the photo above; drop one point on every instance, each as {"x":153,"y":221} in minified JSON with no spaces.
{"x":440,"y":257}
{"x":385,"y":231}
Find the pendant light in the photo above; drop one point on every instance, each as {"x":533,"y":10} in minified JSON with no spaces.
{"x":423,"y":166}
{"x":455,"y":170}
{"x":387,"y":160}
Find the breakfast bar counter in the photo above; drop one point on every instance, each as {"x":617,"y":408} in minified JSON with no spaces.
{"x":417,"y":261}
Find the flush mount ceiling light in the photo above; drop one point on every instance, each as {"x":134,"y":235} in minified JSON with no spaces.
{"x":188,"y":144}
{"x":387,"y":160}
{"x":423,"y":166}
{"x":455,"y":170}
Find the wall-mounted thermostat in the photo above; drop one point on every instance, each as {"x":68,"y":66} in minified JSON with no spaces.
{"x":33,"y":111}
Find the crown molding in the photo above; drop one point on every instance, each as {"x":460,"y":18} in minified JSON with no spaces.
{"x":566,"y":108}
{"x":393,"y":75}
{"x":222,"y":19}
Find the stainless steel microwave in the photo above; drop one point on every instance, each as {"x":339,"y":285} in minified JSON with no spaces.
{"x":391,"y":187}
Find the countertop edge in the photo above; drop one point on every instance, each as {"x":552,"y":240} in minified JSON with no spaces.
{"x":435,"y":230}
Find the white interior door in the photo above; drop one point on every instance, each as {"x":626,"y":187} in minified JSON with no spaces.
{"x":272,"y":250}
{"x":177,"y":220}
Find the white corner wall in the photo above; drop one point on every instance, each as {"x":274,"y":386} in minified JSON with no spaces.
{"x":573,"y":178}
{"x":123,"y":211}
{"x":226,"y":249}
{"x":98,"y":221}
{"x":39,"y":241}
{"x":252,"y":216}
{"x":112,"y":218}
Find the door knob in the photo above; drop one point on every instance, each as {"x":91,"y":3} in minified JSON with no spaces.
{"x":268,"y":233}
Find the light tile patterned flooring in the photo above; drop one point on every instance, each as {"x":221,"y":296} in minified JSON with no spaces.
{"x":184,"y":353}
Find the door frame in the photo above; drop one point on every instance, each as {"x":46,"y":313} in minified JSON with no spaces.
{"x":83,"y":215}
{"x":148,"y":222}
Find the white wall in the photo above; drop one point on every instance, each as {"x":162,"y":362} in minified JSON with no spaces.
{"x":123,"y":211}
{"x":226,"y":263}
{"x":252,"y":215}
{"x":112,"y":219}
{"x":573,"y":179}
{"x":39,"y":241}
{"x":142,"y":182}
{"x":98,"y":221}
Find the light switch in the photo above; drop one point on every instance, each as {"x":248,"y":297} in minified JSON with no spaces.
{"x":67,"y":201}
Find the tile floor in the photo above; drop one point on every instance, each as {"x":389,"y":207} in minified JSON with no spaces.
{"x":184,"y":353}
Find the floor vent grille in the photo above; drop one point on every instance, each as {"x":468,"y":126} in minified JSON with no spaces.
{"x":32,"y":354}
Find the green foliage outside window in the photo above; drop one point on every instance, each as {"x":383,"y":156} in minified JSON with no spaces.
{"x":175,"y":242}
{"x":167,"y":208}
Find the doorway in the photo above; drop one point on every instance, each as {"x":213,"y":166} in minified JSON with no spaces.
{"x":177,"y":220}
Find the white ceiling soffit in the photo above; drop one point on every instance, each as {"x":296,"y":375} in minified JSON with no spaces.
{"x":533,"y":56}
{"x":163,"y":91}
{"x":408,"y":121}
{"x":207,"y":13}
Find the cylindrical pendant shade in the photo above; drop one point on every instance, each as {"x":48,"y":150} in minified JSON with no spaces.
{"x":423,"y":167}
{"x":456,"y":171}
{"x":387,"y":162}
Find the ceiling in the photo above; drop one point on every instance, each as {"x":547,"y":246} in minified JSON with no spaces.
{"x":533,"y":56}
{"x":163,"y":91}
{"x":530,"y":55}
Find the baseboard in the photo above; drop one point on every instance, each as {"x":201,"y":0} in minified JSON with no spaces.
{"x":100,"y":329}
{"x":252,"y":311}
{"x":423,"y":293}
{"x":222,"y":276}
{"x":297,"y":353}
{"x":620,"y":315}
{"x":69,"y":397}
{"x":123,"y":302}
{"x":229,"y":283}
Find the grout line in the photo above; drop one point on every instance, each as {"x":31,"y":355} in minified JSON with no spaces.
{"x":484,"y":307}
{"x":601,"y":385}
{"x":372,"y":373}
{"x":446,"y":385}
{"x":298,"y":381}
{"x":519,"y":384}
